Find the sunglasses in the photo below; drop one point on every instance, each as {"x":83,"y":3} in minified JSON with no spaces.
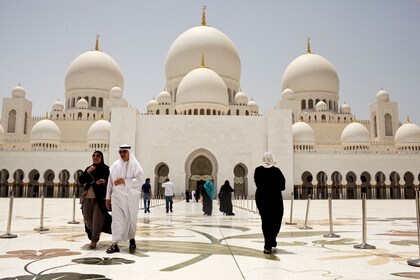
{"x":96,"y":156}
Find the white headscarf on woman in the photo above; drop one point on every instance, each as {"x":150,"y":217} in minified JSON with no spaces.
{"x":268,"y":160}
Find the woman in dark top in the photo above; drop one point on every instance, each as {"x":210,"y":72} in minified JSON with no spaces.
{"x":96,"y":216}
{"x":208,"y":195}
{"x":270,"y":183}
{"x":225,"y":197}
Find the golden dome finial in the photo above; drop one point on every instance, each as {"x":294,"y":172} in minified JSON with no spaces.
{"x":203,"y":15}
{"x":308,"y":45}
{"x":46,"y":116}
{"x":203,"y":65}
{"x":97,"y":42}
{"x":408,"y":119}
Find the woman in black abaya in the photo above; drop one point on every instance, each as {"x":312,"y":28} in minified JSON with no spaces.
{"x":96,"y":216}
{"x":270,"y":183}
{"x":225,"y":197}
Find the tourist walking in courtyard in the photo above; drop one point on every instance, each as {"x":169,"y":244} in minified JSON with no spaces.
{"x":146,"y":190}
{"x":95,"y":214}
{"x":208,"y":196}
{"x":225,"y":199}
{"x":123,"y":196}
{"x":169,"y":194}
{"x":270,"y":182}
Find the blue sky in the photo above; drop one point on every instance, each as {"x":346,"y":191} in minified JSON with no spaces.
{"x":372,"y":44}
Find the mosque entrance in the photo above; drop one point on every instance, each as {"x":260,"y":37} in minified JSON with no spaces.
{"x":201,"y":171}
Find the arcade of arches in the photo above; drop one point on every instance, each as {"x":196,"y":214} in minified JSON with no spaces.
{"x":343,"y":186}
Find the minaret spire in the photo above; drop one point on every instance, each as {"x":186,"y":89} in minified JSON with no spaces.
{"x":308,"y":45}
{"x":203,"y":16}
{"x":202,"y":62}
{"x":97,"y":42}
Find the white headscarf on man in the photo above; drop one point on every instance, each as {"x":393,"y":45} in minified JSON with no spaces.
{"x":268,"y":160}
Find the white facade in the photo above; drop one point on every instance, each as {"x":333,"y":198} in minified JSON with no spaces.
{"x":204,"y":126}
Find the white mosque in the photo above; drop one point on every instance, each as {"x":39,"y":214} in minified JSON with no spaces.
{"x":204,"y":126}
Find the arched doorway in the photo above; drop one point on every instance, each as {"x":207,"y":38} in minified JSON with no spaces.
{"x":307,"y":188}
{"x":409,"y":191}
{"x":33,"y":185}
{"x":4,"y":185}
{"x":63,"y":185}
{"x":18,"y":183}
{"x":336,"y":178}
{"x":321,"y":190}
{"x":162,"y":172}
{"x":351,"y":185}
{"x":366,"y":187}
{"x":49,"y":183}
{"x":77,"y":187}
{"x":380,"y":185}
{"x":395,"y":185}
{"x":201,"y":171}
{"x":240,"y":180}
{"x":201,"y":165}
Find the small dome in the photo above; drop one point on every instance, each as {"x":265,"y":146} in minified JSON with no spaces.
{"x":164,"y":98}
{"x":407,"y":135}
{"x":18,"y":92}
{"x":151,"y":105}
{"x":116,"y":93}
{"x":240,"y":99}
{"x":288,"y":94}
{"x":99,"y":132}
{"x":58,"y":106}
{"x":253,"y":106}
{"x":321,"y":106}
{"x":382,"y":95}
{"x":303,"y":134}
{"x":202,"y":85}
{"x":355,"y":134}
{"x":82,"y":104}
{"x":45,"y":131}
{"x":345,"y":109}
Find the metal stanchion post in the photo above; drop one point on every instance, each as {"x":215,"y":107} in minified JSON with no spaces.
{"x":364,"y":244}
{"x":331,"y":234}
{"x":9,"y":219}
{"x":291,"y":211}
{"x":41,"y":225}
{"x":416,"y":262}
{"x":73,"y":222}
{"x":307,"y":212}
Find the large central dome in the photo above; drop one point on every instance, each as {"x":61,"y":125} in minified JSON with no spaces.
{"x":221,"y":56}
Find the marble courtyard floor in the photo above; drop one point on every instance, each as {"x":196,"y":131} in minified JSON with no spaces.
{"x":187,"y":245}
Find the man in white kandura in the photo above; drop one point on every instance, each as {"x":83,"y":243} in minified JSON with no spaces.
{"x":123,"y":195}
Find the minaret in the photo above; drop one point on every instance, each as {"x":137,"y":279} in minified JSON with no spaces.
{"x":203,"y":16}
{"x":308,"y":45}
{"x":97,"y":43}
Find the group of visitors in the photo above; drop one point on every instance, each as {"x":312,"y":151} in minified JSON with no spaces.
{"x":118,"y":189}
